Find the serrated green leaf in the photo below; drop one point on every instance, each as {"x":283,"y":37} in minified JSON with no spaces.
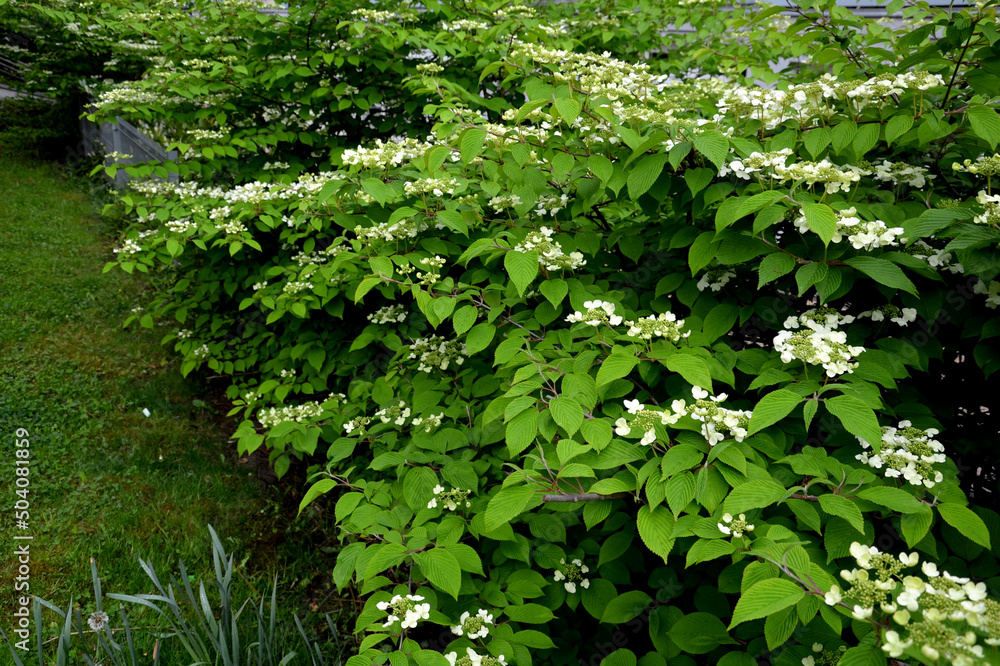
{"x":772,"y":408}
{"x":766,"y":597}
{"x":522,"y":268}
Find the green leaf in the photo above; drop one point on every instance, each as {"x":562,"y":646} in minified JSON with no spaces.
{"x":568,"y":413}
{"x":655,"y":528}
{"x":897,"y":127}
{"x":836,"y":505}
{"x":464,"y":318}
{"x":601,"y":167}
{"x":615,"y":367}
{"x":569,"y":109}
{"x":621,"y":657}
{"x":521,"y":431}
{"x":471,"y":143}
{"x":522,"y":268}
{"x":779,"y":627}
{"x":772,"y":408}
{"x":454,"y":220}
{"x":966,"y":522}
{"x":693,"y":369}
{"x":985,"y":124}
{"x":883,"y":272}
{"x":895,"y":499}
{"x":816,"y":140}
{"x":774,"y":266}
{"x":377,"y":189}
{"x":915,"y":526}
{"x":596,"y":432}
{"x":764,"y":598}
{"x":530,"y":613}
{"x":506,"y":505}
{"x":699,"y":633}
{"x":702,"y":251}
{"x":679,"y":458}
{"x":480,"y":337}
{"x":822,"y":220}
{"x":644,"y":174}
{"x":712,"y":145}
{"x":698,"y":179}
{"x":626,"y":606}
{"x":554,"y":291}
{"x":441,"y":569}
{"x":865,"y":139}
{"x":754,"y":495}
{"x":857,"y":417}
{"x":533,"y":639}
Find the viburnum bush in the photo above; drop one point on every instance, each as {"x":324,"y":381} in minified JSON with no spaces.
{"x":611,"y":356}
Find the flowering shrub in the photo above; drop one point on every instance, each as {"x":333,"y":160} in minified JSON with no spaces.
{"x":602,"y":350}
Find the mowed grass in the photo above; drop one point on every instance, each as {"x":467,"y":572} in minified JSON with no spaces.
{"x":106,"y":481}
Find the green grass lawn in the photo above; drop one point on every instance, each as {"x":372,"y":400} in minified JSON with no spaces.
{"x":106,"y":481}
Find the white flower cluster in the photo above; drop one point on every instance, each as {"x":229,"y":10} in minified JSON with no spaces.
{"x":505,"y":201}
{"x":359,"y":424}
{"x":756,"y":162}
{"x":572,"y":573}
{"x":472,"y":658}
{"x":596,"y":75}
{"x":275,"y":166}
{"x":436,"y":352}
{"x":715,"y":279}
{"x":983,"y":166}
{"x":408,"y":608}
{"x":181,"y":226}
{"x":129,"y":246}
{"x":464,"y":25}
{"x":550,"y":252}
{"x":202,"y":351}
{"x":645,"y":421}
{"x":288,"y":374}
{"x":716,"y":422}
{"x":550,"y":204}
{"x":938,"y":259}
{"x":902,"y":173}
{"x":907,"y":452}
{"x":183,"y":334}
{"x":436,"y":186}
{"x":598,"y":312}
{"x":388,"y":315}
{"x":385,"y":154}
{"x":434,"y":265}
{"x":805,"y":102}
{"x":428,"y":422}
{"x":396,"y":414}
{"x":991,"y":215}
{"x":896,"y":315}
{"x":298,"y":413}
{"x":664,"y":325}
{"x":927,"y":608}
{"x":451,"y":499}
{"x":991,"y":291}
{"x":737,"y":527}
{"x":474,"y":626}
{"x":207,"y":135}
{"x":405,"y":228}
{"x":861,"y":234}
{"x":835,"y":178}
{"x":818,"y":342}
{"x":295,"y":286}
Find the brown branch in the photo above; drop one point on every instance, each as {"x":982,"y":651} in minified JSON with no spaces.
{"x":584,"y":497}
